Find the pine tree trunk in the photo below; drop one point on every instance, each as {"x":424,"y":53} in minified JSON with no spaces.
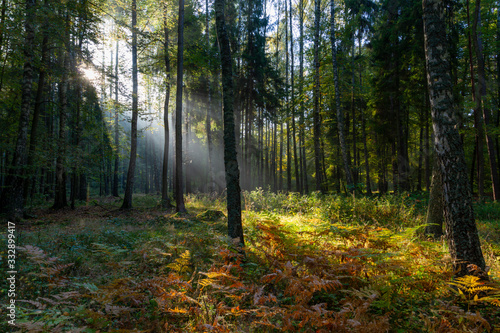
{"x":38,"y":104}
{"x":495,"y":182}
{"x":477,"y":117}
{"x":420,"y":151}
{"x":340,"y":113}
{"x":208,"y":120}
{"x":15,"y":199}
{"x":316,"y":92}
{"x":179,"y":186}
{"x":235,"y":229}
{"x":367,"y":161}
{"x":288,"y":150}
{"x":353,"y":118}
{"x":165,"y":200}
{"x":302,"y":146}
{"x":129,"y":189}
{"x":60,"y":200}
{"x":75,"y":167}
{"x":116,"y":134}
{"x":298,"y":184}
{"x":462,"y":235}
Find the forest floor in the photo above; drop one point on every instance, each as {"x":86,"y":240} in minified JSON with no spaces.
{"x":311,"y":264}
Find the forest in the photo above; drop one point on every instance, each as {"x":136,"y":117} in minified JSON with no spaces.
{"x":250,"y":166}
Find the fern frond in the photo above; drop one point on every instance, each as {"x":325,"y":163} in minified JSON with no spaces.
{"x":181,"y":264}
{"x":364,"y":293}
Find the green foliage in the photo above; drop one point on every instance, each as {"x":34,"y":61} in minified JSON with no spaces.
{"x":390,"y":211}
{"x":301,"y":272}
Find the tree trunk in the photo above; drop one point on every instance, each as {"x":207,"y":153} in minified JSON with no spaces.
{"x":129,"y":189}
{"x":288,"y":113}
{"x":15,"y":199}
{"x":365,"y":149}
{"x":165,"y":200}
{"x":38,"y":104}
{"x":60,"y":200}
{"x":235,"y":228}
{"x":208,"y":120}
{"x":298,"y":184}
{"x":117,"y":133}
{"x":477,"y":118}
{"x":179,"y":195}
{"x":340,"y":113}
{"x":462,"y":235}
{"x":302,"y":146}
{"x":316,"y":92}
{"x":435,"y":217}
{"x":495,"y":182}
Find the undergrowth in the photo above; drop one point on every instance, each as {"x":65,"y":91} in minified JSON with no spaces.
{"x":311,"y":264}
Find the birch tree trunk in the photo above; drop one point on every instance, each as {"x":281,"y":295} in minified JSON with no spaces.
{"x":462,"y":235}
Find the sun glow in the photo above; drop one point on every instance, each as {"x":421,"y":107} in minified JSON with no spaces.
{"x":90,"y":73}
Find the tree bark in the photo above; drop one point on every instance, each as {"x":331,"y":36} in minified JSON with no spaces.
{"x":480,"y":94}
{"x":298,"y":183}
{"x":338,"y":108}
{"x":129,"y":188}
{"x":117,"y":132}
{"x":235,"y":228}
{"x":462,"y":235}
{"x":179,"y":190}
{"x":165,"y":200}
{"x":208,"y":120}
{"x":38,"y":104}
{"x":302,"y":146}
{"x":316,"y":92}
{"x":60,"y":200}
{"x":435,"y":217}
{"x":15,"y":199}
{"x":477,"y":118}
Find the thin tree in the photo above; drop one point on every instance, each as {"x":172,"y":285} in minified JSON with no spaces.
{"x":478,"y":124}
{"x":117,"y":133}
{"x":480,"y":93}
{"x":165,"y":200}
{"x":235,"y":228}
{"x":129,"y":188}
{"x":208,"y":119}
{"x":302,"y":146}
{"x":338,"y":108}
{"x":60,"y":199}
{"x":179,"y":196}
{"x":298,"y":183}
{"x":316,"y":92}
{"x":462,"y":235}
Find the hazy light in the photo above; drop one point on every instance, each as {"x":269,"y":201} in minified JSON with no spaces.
{"x":90,"y":73}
